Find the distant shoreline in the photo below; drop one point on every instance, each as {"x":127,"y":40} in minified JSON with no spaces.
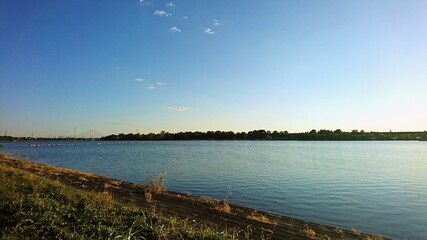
{"x":262,"y":135}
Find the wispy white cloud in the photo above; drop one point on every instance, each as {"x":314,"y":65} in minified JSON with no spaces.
{"x":156,"y":85}
{"x":170,"y":4}
{"x":162,"y":13}
{"x":144,"y":2}
{"x":216,"y":22}
{"x":151,"y":86}
{"x":174,"y":30}
{"x":178,"y":109}
{"x":209,"y":31}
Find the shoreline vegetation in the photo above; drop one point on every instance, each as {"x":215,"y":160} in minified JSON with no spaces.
{"x":313,"y":135}
{"x":41,"y":201}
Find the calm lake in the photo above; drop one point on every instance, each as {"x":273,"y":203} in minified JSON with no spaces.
{"x":375,"y":187}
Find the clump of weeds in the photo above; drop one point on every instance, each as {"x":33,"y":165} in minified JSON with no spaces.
{"x":156,"y":185}
{"x":308,"y":232}
{"x":224,"y":207}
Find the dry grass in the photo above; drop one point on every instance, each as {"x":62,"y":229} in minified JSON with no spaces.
{"x":156,"y":185}
{"x":224,"y":207}
{"x":153,"y":209}
{"x":115,"y":182}
{"x":209,"y":200}
{"x":355,"y":231}
{"x":261,"y":218}
{"x":248,"y":232}
{"x":308,"y":232}
{"x":375,"y":238}
{"x":112,"y":184}
{"x":106,"y":196}
{"x":81,"y":178}
{"x":339,"y":231}
{"x":148,"y":197}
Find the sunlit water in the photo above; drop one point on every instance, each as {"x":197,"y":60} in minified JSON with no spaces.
{"x":376,"y":187}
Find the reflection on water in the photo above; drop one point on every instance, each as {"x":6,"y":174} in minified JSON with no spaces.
{"x":377,"y":187}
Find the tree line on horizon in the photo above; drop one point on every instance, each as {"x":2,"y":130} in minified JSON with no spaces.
{"x":337,"y":135}
{"x":327,"y":135}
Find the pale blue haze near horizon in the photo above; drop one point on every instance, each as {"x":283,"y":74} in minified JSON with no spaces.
{"x":119,"y":66}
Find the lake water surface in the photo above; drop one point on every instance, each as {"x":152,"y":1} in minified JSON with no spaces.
{"x":375,"y":187}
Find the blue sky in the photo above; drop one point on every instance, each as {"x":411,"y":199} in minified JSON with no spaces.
{"x":118,"y":66}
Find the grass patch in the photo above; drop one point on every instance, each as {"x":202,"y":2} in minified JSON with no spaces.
{"x":261,"y":218}
{"x":308,"y":232}
{"x":154,"y":186}
{"x":339,"y":231}
{"x":157,"y":185}
{"x":148,"y":197}
{"x":224,"y":207}
{"x":379,"y":237}
{"x":375,"y":238}
{"x":355,"y":231}
{"x":32,"y":207}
